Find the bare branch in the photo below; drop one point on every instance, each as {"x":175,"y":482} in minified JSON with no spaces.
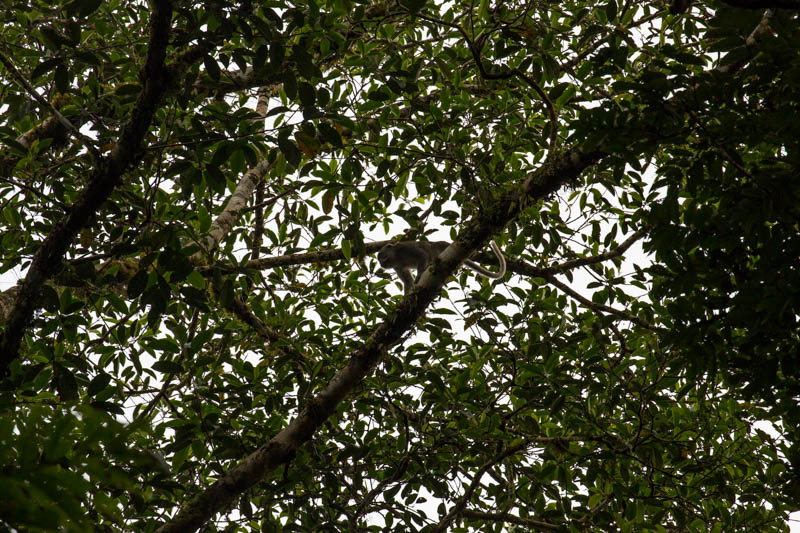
{"x":760,"y":29}
{"x":237,"y":203}
{"x":241,"y":195}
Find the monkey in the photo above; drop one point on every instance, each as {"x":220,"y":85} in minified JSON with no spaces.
{"x":405,"y":255}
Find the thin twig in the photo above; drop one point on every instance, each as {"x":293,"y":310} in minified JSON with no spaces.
{"x":599,"y":307}
{"x":460,"y":505}
{"x":46,"y":104}
{"x":476,"y":55}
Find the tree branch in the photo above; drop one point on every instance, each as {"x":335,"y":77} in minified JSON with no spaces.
{"x":461,"y":504}
{"x":280,"y":449}
{"x":106,"y":176}
{"x":240,"y":308}
{"x":49,"y":106}
{"x":584,"y":261}
{"x":49,"y":128}
{"x":599,"y":307}
{"x":240,"y":197}
{"x":509,"y":518}
{"x":305,"y":258}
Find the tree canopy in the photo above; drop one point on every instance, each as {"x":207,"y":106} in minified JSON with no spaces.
{"x":196,"y":332}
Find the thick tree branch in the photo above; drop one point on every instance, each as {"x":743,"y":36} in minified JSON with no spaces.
{"x":236,"y":204}
{"x":258,"y":227}
{"x":752,"y":39}
{"x":106,"y":176}
{"x":306,"y":258}
{"x":336,"y":254}
{"x":244,"y":189}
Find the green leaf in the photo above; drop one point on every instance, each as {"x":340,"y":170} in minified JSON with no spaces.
{"x":61,"y":78}
{"x":196,"y":280}
{"x":483,"y":10}
{"x":308,"y":96}
{"x":263,"y":28}
{"x":137,"y":283}
{"x":65,"y":383}
{"x":305,"y":66}
{"x":327,"y":201}
{"x":83,"y":8}
{"x":46,"y":66}
{"x":276,"y":55}
{"x":289,"y":84}
{"x":212,"y":68}
{"x":330,"y":135}
{"x":611,"y":10}
{"x":52,"y":39}
{"x":289,"y":150}
{"x":167,"y":367}
{"x":97,"y":384}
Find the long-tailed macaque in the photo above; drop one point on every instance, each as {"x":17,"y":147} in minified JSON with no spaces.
{"x":405,"y":255}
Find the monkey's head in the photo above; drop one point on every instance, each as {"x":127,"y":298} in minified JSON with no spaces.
{"x":386,"y":255}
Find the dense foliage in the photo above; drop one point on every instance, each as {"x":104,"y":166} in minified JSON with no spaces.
{"x":192,"y":197}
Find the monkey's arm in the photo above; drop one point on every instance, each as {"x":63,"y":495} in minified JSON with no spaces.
{"x":405,"y":275}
